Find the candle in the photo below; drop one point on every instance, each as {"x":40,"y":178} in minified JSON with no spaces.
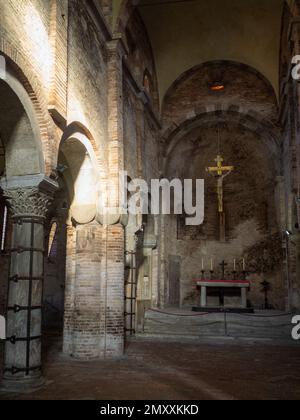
{"x":244,"y":265}
{"x":211,"y":265}
{"x":234,"y":265}
{"x":202,"y":264}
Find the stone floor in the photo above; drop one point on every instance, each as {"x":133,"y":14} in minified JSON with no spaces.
{"x":175,"y":371}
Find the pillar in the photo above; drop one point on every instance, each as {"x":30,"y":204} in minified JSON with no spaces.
{"x":69,"y":290}
{"x":114,"y":295}
{"x":244,"y":297}
{"x":88,"y":310}
{"x":28,"y":207}
{"x":114,"y":235}
{"x":203,"y":297}
{"x":83,"y":308}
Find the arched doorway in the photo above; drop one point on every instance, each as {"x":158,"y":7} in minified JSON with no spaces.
{"x":84,"y":287}
{"x":26,"y":197}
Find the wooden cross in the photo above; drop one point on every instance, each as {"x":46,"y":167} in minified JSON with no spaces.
{"x":223,"y":266}
{"x":220,"y":172}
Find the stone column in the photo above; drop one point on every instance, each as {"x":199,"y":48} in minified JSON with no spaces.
{"x":28,"y":208}
{"x":203,"y":297}
{"x":244,"y":297}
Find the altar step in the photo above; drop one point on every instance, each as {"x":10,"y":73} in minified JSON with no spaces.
{"x":263,"y":325}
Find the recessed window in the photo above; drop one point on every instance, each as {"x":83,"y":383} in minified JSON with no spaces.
{"x":217,"y":87}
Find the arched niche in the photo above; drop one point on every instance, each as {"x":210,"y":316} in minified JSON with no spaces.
{"x":21,"y":156}
{"x":19,"y":130}
{"x":246,"y":92}
{"x":78,"y":166}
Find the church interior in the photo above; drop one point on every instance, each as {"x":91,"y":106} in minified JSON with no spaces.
{"x":108,"y":305}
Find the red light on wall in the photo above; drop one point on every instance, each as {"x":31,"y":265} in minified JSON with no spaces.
{"x":217,"y":87}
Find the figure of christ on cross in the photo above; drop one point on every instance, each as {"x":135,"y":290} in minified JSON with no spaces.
{"x":220,"y":172}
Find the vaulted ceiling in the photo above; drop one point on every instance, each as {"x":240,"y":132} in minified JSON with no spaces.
{"x":185,"y":33}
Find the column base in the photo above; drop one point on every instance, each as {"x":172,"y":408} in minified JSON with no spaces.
{"x":22,"y":385}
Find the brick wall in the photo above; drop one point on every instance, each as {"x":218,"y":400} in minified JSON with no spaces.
{"x":106,"y":6}
{"x":140,"y":58}
{"x":55,"y":268}
{"x":246,"y":92}
{"x":141,"y":132}
{"x":59,"y":43}
{"x":190,"y":111}
{"x":26,"y":23}
{"x":87,"y":79}
{"x":289,"y":119}
{"x":193,"y":117}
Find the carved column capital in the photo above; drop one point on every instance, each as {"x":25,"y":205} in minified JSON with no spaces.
{"x":28,"y":201}
{"x":29,"y":195}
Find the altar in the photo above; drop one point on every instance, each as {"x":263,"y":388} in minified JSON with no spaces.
{"x":220,"y":285}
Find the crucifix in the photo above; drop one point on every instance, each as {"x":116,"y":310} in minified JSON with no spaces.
{"x":223,"y":266}
{"x":220,"y":172}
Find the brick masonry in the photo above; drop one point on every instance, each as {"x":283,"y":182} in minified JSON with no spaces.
{"x":193,"y":117}
{"x":84,"y":81}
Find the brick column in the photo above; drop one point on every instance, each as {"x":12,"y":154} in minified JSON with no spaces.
{"x":69,"y":290}
{"x":24,"y":313}
{"x":87,"y":292}
{"x":114,"y":292}
{"x":115,"y":118}
{"x":84,"y":310}
{"x":114,"y":237}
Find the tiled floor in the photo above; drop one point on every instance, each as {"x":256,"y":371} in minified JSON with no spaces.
{"x":169,"y":370}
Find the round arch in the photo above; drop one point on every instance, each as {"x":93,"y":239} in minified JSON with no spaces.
{"x":78,"y":167}
{"x":79,"y":131}
{"x":239,"y":65}
{"x":86,"y":137}
{"x":268,"y":132}
{"x":21,"y":70}
{"x":28,"y":121}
